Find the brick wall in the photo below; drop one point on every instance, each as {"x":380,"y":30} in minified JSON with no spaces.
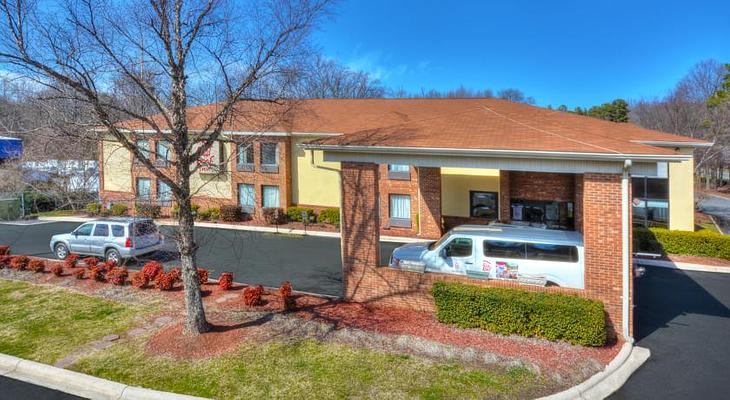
{"x":540,"y":186}
{"x":429,"y":202}
{"x":397,"y":186}
{"x":360,"y":226}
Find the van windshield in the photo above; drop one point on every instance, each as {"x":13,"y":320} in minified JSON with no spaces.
{"x":438,"y":243}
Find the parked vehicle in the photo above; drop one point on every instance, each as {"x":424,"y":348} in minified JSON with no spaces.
{"x":115,"y":239}
{"x":498,"y":251}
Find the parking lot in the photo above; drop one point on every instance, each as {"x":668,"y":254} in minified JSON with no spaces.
{"x":311,"y":263}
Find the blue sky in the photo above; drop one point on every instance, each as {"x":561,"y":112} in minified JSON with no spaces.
{"x":577,"y":53}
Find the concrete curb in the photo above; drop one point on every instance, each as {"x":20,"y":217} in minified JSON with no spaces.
{"x":604,"y":383}
{"x":682,"y":265}
{"x":266,"y":229}
{"x":79,"y":384}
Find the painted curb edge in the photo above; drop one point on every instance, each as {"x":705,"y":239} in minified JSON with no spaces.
{"x":682,"y":266}
{"x":604,"y":383}
{"x":79,"y":384}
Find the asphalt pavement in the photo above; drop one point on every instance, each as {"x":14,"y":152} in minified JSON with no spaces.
{"x":11,"y":389}
{"x":684,"y":319}
{"x":310,"y":263}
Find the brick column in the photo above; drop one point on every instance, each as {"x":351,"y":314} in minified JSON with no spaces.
{"x":578,"y":203}
{"x":360,"y":225}
{"x":504,"y":196}
{"x":429,"y":192}
{"x":602,"y":240}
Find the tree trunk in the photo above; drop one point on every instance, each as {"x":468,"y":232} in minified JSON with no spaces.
{"x":195,"y":321}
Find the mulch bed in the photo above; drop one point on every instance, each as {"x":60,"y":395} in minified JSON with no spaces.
{"x":225,"y":306}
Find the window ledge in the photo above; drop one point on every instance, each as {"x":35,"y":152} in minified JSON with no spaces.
{"x":248,"y":167}
{"x":269,"y":169}
{"x":399,"y":223}
{"x":399,"y":176}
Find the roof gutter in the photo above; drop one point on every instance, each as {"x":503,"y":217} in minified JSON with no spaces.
{"x":439,"y":151}
{"x":663,"y":143}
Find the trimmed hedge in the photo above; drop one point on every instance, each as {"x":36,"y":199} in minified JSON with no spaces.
{"x":273,"y":215}
{"x":553,"y":316}
{"x":329,"y":216}
{"x":118,"y":210}
{"x":93,"y":208}
{"x":147,"y":210}
{"x":295,"y":213}
{"x":231,"y":213}
{"x":702,"y":243}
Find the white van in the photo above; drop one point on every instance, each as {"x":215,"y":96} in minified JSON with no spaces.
{"x":498,"y":251}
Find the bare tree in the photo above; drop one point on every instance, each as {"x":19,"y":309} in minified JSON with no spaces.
{"x":198,"y":51}
{"x":325,"y":78}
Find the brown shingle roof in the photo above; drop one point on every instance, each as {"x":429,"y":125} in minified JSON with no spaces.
{"x":490,"y":124}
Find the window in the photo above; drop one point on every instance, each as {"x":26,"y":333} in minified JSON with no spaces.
{"x":269,"y":157}
{"x":270,"y":196}
{"x":164,"y":193}
{"x":245,"y":157}
{"x":400,"y":210}
{"x":550,"y":214}
{"x":551,"y":252}
{"x":163,"y":152}
{"x":118,"y":230}
{"x":399,"y":171}
{"x":246,"y":197}
{"x":503,"y":249}
{"x":101,"y":230}
{"x":84,"y":230}
{"x":144,"y":188}
{"x":484,"y":204}
{"x":459,"y":247}
{"x":650,"y":201}
{"x":144,"y":147}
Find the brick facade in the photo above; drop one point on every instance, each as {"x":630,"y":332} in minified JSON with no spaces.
{"x":429,"y":202}
{"x":423,"y":186}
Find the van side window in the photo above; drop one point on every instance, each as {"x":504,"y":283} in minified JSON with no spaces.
{"x":551,"y":252}
{"x":459,"y":247}
{"x":502,"y":249}
{"x":118,"y":230}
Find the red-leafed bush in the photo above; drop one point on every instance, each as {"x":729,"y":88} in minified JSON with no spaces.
{"x":203,"y":275}
{"x":90,"y":261}
{"x":140,"y":280}
{"x":36,"y":265}
{"x":225,"y":281}
{"x":118,"y":276}
{"x":97,"y":273}
{"x":19,"y":263}
{"x":285,"y":292}
{"x":252,"y":295}
{"x":108,"y":265}
{"x":70,"y":261}
{"x":165,"y":280}
{"x":57,"y":269}
{"x":79,"y":273}
{"x":175,"y":274}
{"x":152,"y":269}
{"x":5,"y":261}
{"x":4,"y":250}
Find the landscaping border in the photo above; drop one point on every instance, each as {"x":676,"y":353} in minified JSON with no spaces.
{"x":79,"y":384}
{"x":604,"y":383}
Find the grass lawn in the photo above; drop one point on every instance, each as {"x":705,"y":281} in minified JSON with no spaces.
{"x":45,"y":324}
{"x":305,"y":369}
{"x":60,"y":213}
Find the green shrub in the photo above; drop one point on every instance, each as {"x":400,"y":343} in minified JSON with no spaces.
{"x":231,"y":213}
{"x":329,"y":216}
{"x":703,"y":243}
{"x":553,"y":316}
{"x":118,"y":210}
{"x":93,"y":208}
{"x":215,"y":213}
{"x":274,"y":215}
{"x":147,"y":210}
{"x":295,"y":213}
{"x":175,"y":210}
{"x":204,"y":215}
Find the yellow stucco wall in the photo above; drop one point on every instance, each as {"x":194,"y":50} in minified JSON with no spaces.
{"x":117,"y":167}
{"x":214,"y":185}
{"x":681,"y":194}
{"x":456,"y":184}
{"x":314,"y":183}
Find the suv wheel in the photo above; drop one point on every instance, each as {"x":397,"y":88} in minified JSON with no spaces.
{"x":61,"y":251}
{"x":113,"y":255}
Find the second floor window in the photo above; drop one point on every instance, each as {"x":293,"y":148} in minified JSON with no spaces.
{"x":144,"y":188}
{"x":245,"y":157}
{"x":269,"y":157}
{"x":399,"y":171}
{"x":144,"y":148}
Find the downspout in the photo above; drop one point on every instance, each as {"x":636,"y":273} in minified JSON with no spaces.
{"x":625,"y":250}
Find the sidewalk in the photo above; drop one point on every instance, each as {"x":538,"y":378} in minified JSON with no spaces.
{"x":267,"y":229}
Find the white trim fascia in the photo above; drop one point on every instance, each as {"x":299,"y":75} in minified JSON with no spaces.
{"x":663,"y":143}
{"x":233,"y":133}
{"x":437,"y":151}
